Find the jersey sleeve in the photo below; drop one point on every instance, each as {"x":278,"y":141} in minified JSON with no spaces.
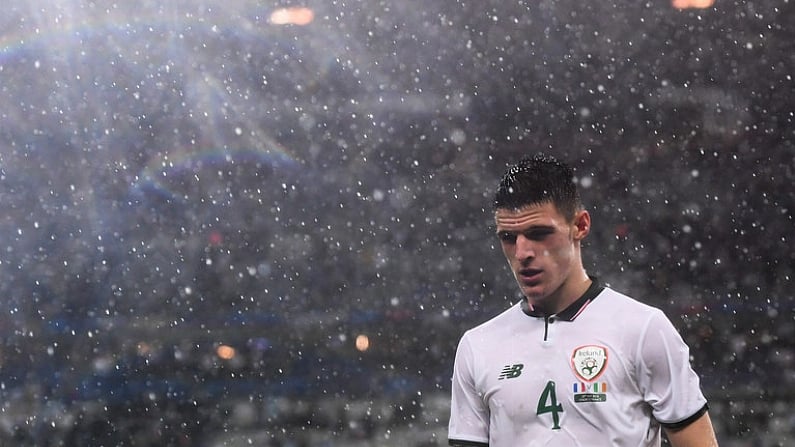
{"x":665,"y":376}
{"x":469,"y":415}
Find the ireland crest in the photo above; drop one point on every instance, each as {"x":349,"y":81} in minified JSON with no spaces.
{"x":589,"y":362}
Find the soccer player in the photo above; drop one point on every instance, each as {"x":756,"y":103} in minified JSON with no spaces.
{"x":574,"y":363}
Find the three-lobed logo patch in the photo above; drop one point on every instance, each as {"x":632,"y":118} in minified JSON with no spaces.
{"x":588,"y":363}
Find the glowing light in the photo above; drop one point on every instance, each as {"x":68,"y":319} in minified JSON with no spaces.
{"x":143,"y":348}
{"x":292,"y":16}
{"x":698,"y":4}
{"x":225,"y":352}
{"x":215,"y":238}
{"x":362,"y":342}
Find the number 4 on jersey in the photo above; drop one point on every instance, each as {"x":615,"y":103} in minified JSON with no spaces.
{"x":548,"y":403}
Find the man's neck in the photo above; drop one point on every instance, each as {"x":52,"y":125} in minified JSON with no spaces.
{"x":568,"y":293}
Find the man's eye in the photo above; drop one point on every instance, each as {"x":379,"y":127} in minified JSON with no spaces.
{"x":507,"y":237}
{"x":538,"y":235}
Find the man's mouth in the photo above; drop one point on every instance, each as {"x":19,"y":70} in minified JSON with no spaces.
{"x":529,"y":275}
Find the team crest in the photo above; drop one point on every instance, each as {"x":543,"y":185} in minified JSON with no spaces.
{"x":589,"y":362}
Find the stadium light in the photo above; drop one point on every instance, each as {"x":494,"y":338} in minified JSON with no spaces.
{"x":292,"y":16}
{"x":225,"y":352}
{"x":695,"y":4}
{"x":362,"y":342}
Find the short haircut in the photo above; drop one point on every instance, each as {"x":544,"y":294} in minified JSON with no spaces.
{"x":538,"y":180}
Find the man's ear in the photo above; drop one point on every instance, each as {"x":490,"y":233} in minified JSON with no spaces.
{"x":582,"y":224}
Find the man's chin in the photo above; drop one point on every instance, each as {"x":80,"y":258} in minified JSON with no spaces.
{"x":533,"y":293}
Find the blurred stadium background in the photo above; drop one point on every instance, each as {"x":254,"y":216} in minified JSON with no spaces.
{"x":267,"y":223}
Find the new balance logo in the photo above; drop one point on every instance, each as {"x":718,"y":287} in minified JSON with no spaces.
{"x":511,"y":371}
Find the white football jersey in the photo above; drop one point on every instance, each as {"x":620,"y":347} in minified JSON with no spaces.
{"x":607,"y":371}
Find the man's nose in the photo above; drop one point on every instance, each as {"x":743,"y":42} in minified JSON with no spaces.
{"x":525,"y":248}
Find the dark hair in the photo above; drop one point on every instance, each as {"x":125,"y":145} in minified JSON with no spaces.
{"x":537,"y":180}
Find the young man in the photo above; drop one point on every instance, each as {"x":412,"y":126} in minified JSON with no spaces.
{"x":574,"y":363}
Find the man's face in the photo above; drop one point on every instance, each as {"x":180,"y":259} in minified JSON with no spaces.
{"x":542,"y":249}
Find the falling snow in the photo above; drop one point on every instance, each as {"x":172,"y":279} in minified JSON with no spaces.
{"x":239,"y":223}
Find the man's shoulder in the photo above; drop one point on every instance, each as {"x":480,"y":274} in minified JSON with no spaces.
{"x":500,"y":322}
{"x":619,"y":303}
